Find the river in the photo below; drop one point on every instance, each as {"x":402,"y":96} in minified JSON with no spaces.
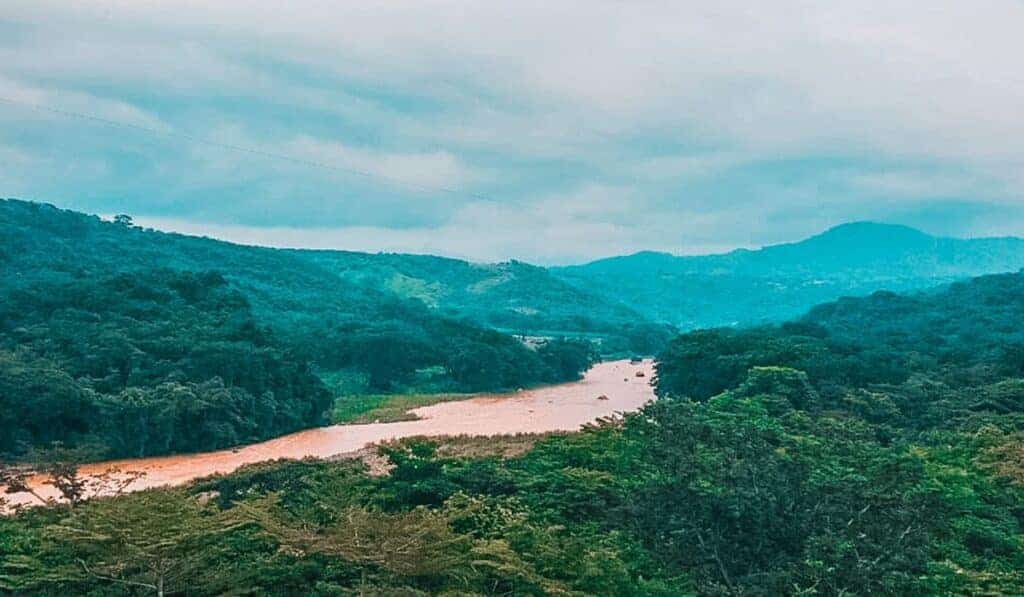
{"x":606,"y":389}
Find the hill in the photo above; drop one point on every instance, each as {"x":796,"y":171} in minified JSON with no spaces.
{"x":105,"y":326}
{"x":966,"y":334}
{"x":513,"y":297}
{"x":781,"y":281}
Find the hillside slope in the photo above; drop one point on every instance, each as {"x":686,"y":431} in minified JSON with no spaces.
{"x":514,"y":297}
{"x":308,"y":285}
{"x":782,"y":281}
{"x":189,"y":343}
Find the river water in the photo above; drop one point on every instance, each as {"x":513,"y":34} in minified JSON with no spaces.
{"x":563,"y":407}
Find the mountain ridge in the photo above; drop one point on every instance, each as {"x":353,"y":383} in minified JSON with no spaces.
{"x":512,"y":297}
{"x":775,"y":282}
{"x":633,"y":302}
{"x":842,"y":232}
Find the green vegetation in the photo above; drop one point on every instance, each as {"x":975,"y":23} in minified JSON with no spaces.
{"x":515,"y":297}
{"x":118,"y":341}
{"x":870,"y":447}
{"x":780,"y":282}
{"x":143,"y":364}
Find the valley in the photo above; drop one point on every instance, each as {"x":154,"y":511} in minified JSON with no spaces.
{"x":539,"y":299}
{"x":840,"y":415}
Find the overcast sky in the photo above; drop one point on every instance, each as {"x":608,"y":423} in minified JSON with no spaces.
{"x":551,"y":131}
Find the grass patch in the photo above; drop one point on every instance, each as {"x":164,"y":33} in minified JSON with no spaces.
{"x":385,"y":408}
{"x":474,"y":446}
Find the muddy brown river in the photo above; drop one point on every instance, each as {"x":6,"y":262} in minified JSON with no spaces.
{"x":563,"y":407}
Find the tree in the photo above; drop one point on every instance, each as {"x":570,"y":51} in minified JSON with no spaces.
{"x":414,"y":543}
{"x":151,"y":540}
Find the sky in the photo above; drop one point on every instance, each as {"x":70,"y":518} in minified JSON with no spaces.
{"x":552,"y":132}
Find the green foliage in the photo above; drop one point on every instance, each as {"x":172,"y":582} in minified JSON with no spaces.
{"x":154,"y":541}
{"x":870,"y":447}
{"x":915,"y":361}
{"x":131,"y":342}
{"x":931,"y":384}
{"x":146,"y":364}
{"x":515,"y":297}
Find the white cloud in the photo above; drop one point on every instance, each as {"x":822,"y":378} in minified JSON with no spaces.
{"x":941,"y":79}
{"x":686,"y":166}
{"x":917,"y":184}
{"x":589,"y":223}
{"x":582,"y":119}
{"x":32,"y":96}
{"x":430,"y":170}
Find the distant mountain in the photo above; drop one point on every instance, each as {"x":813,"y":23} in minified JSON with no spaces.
{"x":782,"y":281}
{"x":626,"y":304}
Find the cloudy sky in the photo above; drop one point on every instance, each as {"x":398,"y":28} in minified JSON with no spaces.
{"x":547,"y":131}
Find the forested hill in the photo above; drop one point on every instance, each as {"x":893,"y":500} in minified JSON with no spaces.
{"x":513,"y":296}
{"x":870,"y":447}
{"x":916,"y":346}
{"x":109,"y":331}
{"x":782,"y":281}
{"x":873,"y":446}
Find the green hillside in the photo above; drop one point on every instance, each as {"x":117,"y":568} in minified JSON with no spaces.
{"x":102,"y":322}
{"x":513,"y":296}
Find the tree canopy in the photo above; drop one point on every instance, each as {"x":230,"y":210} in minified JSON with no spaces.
{"x":871,"y":447}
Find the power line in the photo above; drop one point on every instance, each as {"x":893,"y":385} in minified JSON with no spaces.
{"x":239,"y":148}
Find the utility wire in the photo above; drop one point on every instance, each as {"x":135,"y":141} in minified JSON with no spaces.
{"x":230,"y":146}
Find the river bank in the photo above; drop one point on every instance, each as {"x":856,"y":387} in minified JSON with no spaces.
{"x":605,"y":390}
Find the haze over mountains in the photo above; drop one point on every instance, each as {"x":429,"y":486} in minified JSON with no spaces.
{"x":782,"y":281}
{"x":624,"y":296}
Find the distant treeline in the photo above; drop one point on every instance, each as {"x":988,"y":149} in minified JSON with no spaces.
{"x":934,"y":355}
